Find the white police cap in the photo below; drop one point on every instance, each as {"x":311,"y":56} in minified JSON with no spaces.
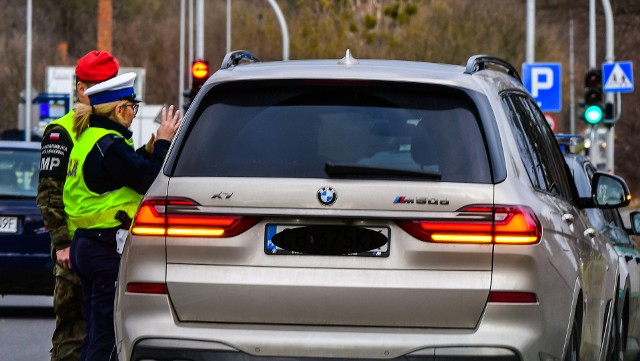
{"x":114,"y":89}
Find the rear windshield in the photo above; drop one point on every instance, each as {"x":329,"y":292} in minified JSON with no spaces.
{"x":316,"y":129}
{"x":19,"y":172}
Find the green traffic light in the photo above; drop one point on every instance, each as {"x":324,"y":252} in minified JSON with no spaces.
{"x":593,"y":114}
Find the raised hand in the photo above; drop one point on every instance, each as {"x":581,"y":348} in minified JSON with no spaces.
{"x":169,"y":124}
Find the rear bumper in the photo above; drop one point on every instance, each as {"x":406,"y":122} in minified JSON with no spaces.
{"x":167,"y":349}
{"x":149,"y":331}
{"x":26,"y":275}
{"x":26,"y":281}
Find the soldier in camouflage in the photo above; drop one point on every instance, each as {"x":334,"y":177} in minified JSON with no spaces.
{"x":57,"y":142}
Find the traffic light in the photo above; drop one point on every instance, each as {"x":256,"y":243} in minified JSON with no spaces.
{"x":593,"y":114}
{"x":199,"y":75}
{"x":593,"y":108}
{"x":609,"y":116}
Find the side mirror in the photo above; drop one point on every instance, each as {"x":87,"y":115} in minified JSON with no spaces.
{"x":609,"y":191}
{"x":635,"y":222}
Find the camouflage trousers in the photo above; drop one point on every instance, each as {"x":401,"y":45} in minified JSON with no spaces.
{"x":67,"y":305}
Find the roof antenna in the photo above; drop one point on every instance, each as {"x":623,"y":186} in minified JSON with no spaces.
{"x":348,"y":59}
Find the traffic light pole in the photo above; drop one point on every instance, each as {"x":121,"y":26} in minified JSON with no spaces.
{"x":595,"y":136}
{"x":609,"y":136}
{"x":181,"y":60}
{"x":609,"y":58}
{"x":199,"y":29}
{"x":27,"y":88}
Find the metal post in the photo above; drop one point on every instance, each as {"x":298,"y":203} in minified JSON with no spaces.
{"x":595,"y":136}
{"x":199,"y":29}
{"x":609,"y":58}
{"x":285,"y":31}
{"x":228,"y":26}
{"x":592,"y":34}
{"x":531,"y":31}
{"x":190,"y":39}
{"x":572,"y":91}
{"x":181,"y":61}
{"x":27,"y":91}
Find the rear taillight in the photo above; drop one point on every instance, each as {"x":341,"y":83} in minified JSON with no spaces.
{"x":180,"y":217}
{"x":500,"y":224}
{"x":148,"y":288}
{"x":512,"y":297}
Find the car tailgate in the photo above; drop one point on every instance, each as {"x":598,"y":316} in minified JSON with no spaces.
{"x":414,"y":284}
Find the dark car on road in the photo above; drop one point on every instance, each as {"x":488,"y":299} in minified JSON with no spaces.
{"x":25,"y":260}
{"x":609,"y":225}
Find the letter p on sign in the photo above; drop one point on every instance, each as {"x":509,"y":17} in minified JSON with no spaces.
{"x":541,"y":78}
{"x":544,"y":82}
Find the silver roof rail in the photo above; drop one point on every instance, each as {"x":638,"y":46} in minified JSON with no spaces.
{"x":238,"y":57}
{"x":480,"y":62}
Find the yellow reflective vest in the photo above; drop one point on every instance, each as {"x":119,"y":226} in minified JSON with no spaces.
{"x":87,"y":209}
{"x":66,"y":122}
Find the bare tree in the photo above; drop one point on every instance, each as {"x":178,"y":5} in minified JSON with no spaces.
{"x":146,"y":34}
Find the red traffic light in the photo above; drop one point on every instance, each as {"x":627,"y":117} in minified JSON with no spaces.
{"x":593,"y":78}
{"x":593,"y":87}
{"x":200,"y":69}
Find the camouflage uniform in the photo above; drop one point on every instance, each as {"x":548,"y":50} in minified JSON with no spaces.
{"x":67,"y":297}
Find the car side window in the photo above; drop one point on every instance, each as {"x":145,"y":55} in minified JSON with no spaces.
{"x":613,"y":218}
{"x":525,"y":145}
{"x":541,"y":155}
{"x":551,"y":154}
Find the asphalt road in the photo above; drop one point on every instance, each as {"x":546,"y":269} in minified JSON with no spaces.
{"x":26,"y":325}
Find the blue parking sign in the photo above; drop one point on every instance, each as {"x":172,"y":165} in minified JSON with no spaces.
{"x":543,"y":82}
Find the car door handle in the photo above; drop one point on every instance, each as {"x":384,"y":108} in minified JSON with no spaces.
{"x":567,"y":218}
{"x":590,"y":232}
{"x":637,"y":259}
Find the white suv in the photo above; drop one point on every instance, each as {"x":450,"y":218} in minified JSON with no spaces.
{"x":366,"y":209}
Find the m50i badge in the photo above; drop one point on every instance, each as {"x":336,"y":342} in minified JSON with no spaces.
{"x":327,"y":196}
{"x":421,"y":200}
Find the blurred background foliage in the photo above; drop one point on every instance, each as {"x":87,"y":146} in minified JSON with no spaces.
{"x":146,"y":34}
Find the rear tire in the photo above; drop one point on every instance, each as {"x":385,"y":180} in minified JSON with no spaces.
{"x":573,"y":350}
{"x":615,"y":348}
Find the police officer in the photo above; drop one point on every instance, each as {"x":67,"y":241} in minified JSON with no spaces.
{"x":57,"y":142}
{"x":106,"y":179}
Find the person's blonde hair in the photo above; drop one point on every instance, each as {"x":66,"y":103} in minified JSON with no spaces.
{"x":83,"y":111}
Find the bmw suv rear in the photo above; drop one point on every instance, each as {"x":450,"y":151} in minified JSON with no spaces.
{"x":365,"y":209}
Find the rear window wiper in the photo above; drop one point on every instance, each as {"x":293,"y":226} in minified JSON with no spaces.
{"x":365,"y":171}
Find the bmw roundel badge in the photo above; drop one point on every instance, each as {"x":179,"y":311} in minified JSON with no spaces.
{"x":327,"y":196}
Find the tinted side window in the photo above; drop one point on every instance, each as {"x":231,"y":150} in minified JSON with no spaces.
{"x":580,"y":175}
{"x":292,"y":129}
{"x":539,"y":151}
{"x":526,"y":144}
{"x":552,"y":153}
{"x":613,"y":217}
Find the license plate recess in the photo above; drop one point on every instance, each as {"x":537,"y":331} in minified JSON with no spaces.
{"x":329,"y":240}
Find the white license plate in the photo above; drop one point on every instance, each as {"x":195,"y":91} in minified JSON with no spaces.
{"x":8,"y":224}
